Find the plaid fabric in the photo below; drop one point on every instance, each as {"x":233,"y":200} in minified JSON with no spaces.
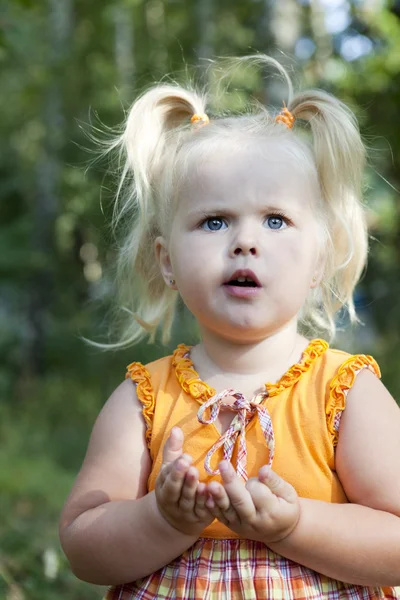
{"x":240,"y":570}
{"x":245,"y":411}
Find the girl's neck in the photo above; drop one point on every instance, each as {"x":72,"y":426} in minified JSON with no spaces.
{"x":275,"y":353}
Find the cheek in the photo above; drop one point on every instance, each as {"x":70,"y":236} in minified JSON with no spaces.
{"x":296,"y":259}
{"x":188,"y":251}
{"x":187,"y":264}
{"x":290,"y":252}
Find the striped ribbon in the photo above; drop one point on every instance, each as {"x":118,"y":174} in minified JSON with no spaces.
{"x":245,"y":411}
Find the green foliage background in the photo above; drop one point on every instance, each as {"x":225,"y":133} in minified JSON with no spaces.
{"x":64,"y":64}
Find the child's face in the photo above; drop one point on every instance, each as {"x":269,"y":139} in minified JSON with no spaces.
{"x":244,"y":216}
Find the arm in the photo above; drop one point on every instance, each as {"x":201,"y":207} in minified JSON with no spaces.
{"x":348,"y":542}
{"x":360,"y":542}
{"x":110,"y":529}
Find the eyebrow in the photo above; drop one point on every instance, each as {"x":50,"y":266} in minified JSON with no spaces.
{"x":215,"y":209}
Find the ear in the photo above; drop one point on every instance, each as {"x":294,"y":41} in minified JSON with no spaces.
{"x":164,"y":261}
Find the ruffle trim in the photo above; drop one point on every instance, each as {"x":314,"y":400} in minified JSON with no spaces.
{"x":191,"y":383}
{"x":341,"y":384}
{"x":314,"y":350}
{"x":188,"y":377}
{"x":140,"y":375}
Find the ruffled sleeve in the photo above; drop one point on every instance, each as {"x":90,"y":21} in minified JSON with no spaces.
{"x":339,"y":387}
{"x":141,"y":377}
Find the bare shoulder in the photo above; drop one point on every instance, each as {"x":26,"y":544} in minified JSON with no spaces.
{"x":368,"y":451}
{"x":118,"y":435}
{"x":117,"y":463}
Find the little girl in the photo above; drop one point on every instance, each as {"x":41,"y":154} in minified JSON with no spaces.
{"x":201,"y":480}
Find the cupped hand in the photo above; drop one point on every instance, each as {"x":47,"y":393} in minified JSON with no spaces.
{"x":265,"y":509}
{"x":181,"y":498}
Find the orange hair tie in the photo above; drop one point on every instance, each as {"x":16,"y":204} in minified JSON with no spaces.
{"x":285,"y":117}
{"x":197,"y":117}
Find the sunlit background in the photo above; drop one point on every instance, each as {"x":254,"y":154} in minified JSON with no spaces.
{"x":68,"y":70}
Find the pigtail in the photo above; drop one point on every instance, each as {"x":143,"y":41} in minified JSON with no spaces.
{"x":154,"y":129}
{"x":339,"y":156}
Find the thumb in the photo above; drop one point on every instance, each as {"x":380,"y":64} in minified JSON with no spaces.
{"x":173,"y":446}
{"x":278,"y":486}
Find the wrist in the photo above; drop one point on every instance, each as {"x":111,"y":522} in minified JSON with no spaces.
{"x":168,"y":525}
{"x":280,"y":540}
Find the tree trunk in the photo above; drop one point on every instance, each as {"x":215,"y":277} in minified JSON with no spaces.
{"x":124,"y":50}
{"x":204,"y":17}
{"x":48,"y":170}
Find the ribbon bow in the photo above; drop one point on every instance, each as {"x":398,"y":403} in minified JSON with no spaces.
{"x":245,"y":411}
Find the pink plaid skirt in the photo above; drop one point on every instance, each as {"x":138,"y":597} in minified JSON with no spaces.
{"x":240,"y":569}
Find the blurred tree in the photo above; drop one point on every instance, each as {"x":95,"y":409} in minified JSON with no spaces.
{"x":46,"y":175}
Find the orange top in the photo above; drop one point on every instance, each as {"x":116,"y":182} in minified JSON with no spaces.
{"x":304,"y":406}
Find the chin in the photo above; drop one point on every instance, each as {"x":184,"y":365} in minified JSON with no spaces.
{"x":243,"y":334}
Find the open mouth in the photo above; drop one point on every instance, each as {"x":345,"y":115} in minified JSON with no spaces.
{"x":242,"y":282}
{"x":243,"y":278}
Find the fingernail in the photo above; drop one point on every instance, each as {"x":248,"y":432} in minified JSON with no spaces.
{"x":223,"y":466}
{"x":264,"y":472}
{"x":181,"y":465}
{"x":175,"y":431}
{"x":210,"y":502}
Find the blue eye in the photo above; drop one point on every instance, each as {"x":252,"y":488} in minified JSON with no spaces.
{"x":213,"y":224}
{"x":276,"y":222}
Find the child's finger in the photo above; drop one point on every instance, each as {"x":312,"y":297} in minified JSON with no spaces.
{"x":263,"y":498}
{"x":173,"y":446}
{"x":277,"y":485}
{"x":189,"y":488}
{"x":216,"y":512}
{"x":219,"y":495}
{"x":219,"y":504}
{"x":172,"y":485}
{"x":240,"y":499}
{"x":201,"y":495}
{"x":200,"y":507}
{"x":166,"y":469}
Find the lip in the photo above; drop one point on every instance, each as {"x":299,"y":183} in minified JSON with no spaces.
{"x":243,"y":292}
{"x":244,"y":273}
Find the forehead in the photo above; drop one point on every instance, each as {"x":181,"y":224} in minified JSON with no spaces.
{"x":270,"y":173}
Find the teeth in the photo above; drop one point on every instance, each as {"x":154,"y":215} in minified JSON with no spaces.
{"x":243,"y":279}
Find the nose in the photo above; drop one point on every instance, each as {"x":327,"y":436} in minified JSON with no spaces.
{"x":244,"y":250}
{"x":244,"y":243}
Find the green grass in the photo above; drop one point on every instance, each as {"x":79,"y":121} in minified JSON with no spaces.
{"x":33,"y":489}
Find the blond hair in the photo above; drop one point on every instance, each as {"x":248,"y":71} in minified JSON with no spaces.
{"x":158,"y":146}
